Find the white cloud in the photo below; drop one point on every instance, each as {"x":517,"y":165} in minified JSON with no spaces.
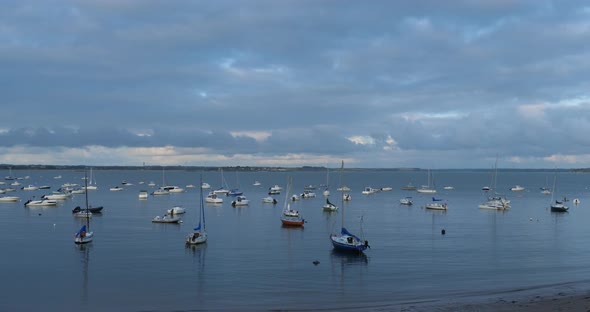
{"x":362,"y":140}
{"x":532,"y":111}
{"x":259,"y":136}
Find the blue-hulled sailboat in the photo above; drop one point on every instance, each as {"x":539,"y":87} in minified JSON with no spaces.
{"x":199,"y":234}
{"x":346,"y":241}
{"x":84,"y":235}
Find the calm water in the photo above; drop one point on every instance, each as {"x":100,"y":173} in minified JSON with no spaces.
{"x":251,"y":261}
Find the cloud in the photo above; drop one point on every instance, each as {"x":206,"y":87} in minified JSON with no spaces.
{"x":380,"y":84}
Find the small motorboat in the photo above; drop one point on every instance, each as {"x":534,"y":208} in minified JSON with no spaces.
{"x":406,"y":201}
{"x":240,"y":201}
{"x":176,"y":210}
{"x":166,"y":219}
{"x":83,"y":214}
{"x":143,"y":194}
{"x":269,"y":200}
{"x":90,"y":208}
{"x":9,"y":199}
{"x":161,"y":191}
{"x":42,"y":202}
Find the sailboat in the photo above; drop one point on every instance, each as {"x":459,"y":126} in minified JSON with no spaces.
{"x":545,"y":190}
{"x":498,"y":201}
{"x":9,"y":176}
{"x":328,"y":206}
{"x":235,"y":191}
{"x":92,"y":184}
{"x":199,"y":234}
{"x":84,"y":235}
{"x":327,"y":190}
{"x":436,"y":204}
{"x":426,"y":188}
{"x":557,"y":206}
{"x":223,"y":188}
{"x":346,"y":241}
{"x":290,"y":217}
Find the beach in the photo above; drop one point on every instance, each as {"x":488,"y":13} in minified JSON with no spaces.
{"x":565,"y":297}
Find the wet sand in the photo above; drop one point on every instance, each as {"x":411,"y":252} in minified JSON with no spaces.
{"x":564,"y":297}
{"x":536,"y":304}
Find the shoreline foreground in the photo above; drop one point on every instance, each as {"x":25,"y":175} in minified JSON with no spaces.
{"x":562,"y":297}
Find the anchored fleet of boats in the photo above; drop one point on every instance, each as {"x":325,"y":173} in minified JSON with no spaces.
{"x":343,"y":240}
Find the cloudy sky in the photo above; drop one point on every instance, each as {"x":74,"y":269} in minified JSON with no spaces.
{"x":430,"y":84}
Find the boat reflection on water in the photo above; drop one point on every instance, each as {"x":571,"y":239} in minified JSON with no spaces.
{"x":197,"y":252}
{"x":84,"y":250}
{"x":348,"y":258}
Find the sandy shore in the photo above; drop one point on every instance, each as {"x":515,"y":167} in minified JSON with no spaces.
{"x":537,"y":304}
{"x":564,"y":297}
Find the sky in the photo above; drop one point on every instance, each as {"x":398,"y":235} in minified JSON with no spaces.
{"x":378,"y":84}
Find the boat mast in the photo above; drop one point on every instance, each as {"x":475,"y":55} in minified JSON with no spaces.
{"x":202,"y":213}
{"x":86,"y":194}
{"x":342,"y":197}
{"x":286,"y":205}
{"x":553,"y":190}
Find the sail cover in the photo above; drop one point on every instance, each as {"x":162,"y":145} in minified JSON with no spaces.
{"x":346,"y":232}
{"x":82,"y":229}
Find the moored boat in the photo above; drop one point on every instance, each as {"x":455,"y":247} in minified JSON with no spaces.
{"x":346,"y":241}
{"x":240,"y":200}
{"x":406,"y":201}
{"x":199,"y":234}
{"x":40,"y":203}
{"x":8,"y":199}
{"x":290,"y":217}
{"x":166,"y":219}
{"x":436,"y":204}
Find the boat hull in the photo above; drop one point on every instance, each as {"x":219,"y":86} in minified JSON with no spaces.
{"x":436,"y":207}
{"x":559,"y":208}
{"x":289,"y":221}
{"x":199,"y":239}
{"x":166,"y":220}
{"x":9,"y":199}
{"x":329,"y":207}
{"x":347,"y":243}
{"x":87,"y":238}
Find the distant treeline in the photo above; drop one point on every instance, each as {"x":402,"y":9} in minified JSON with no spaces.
{"x":251,"y":168}
{"x":188,"y":168}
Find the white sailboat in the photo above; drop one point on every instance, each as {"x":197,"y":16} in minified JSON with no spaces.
{"x":223,"y":189}
{"x":427,"y":188}
{"x":199,"y":234}
{"x":290,"y":217}
{"x":346,"y":241}
{"x":557,"y":206}
{"x":92,"y":184}
{"x":498,"y":201}
{"x":84,"y":235}
{"x":327,"y":190}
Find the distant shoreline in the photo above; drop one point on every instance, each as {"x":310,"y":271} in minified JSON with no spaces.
{"x":268,"y":169}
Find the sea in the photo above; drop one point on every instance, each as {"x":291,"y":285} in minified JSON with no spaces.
{"x":252,"y":262}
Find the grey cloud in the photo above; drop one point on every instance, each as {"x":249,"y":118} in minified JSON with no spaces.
{"x":312,"y":73}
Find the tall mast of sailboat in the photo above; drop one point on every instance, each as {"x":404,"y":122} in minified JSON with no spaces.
{"x":286,"y":204}
{"x":86,"y":193}
{"x":342,"y":195}
{"x":201,"y":213}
